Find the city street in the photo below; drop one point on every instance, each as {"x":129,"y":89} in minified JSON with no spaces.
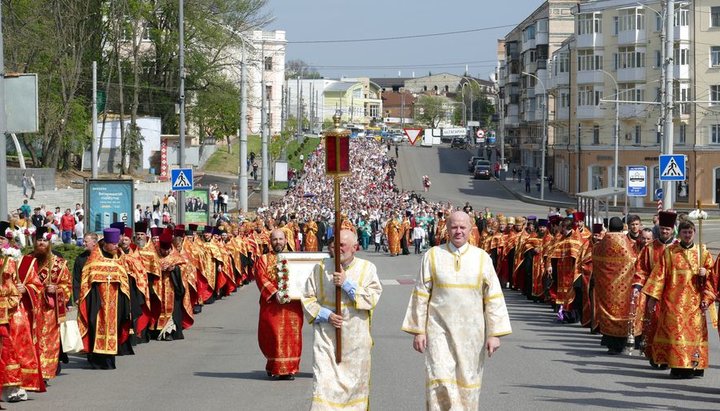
{"x":543,"y":365}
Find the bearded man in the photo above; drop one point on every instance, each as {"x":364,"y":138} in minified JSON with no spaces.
{"x":281,"y":319}
{"x":53,"y":273}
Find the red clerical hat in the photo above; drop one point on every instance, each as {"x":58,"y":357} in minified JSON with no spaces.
{"x":597,"y":228}
{"x":166,"y":240}
{"x":578,"y":216}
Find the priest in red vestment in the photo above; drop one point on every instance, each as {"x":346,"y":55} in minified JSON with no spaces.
{"x":280,"y":325}
{"x":56,"y":279}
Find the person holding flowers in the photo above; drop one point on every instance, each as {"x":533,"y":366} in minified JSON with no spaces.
{"x":281,"y":319}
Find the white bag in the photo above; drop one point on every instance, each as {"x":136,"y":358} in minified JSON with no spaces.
{"x":70,"y":333}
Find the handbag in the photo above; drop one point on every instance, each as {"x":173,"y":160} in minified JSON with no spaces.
{"x":70,"y":333}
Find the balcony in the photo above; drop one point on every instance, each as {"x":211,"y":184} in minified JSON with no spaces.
{"x":631,"y":110}
{"x":528,"y":45}
{"x":682,"y":110}
{"x":512,"y":121}
{"x":513,"y":78}
{"x":562,"y":114}
{"x":590,"y":113}
{"x":542,"y":75}
{"x":682,"y":33}
{"x":529,"y":116}
{"x":542,"y":38}
{"x":531,"y":68}
{"x":681,"y":72}
{"x":590,"y":77}
{"x":512,"y":110}
{"x":590,"y":40}
{"x":632,"y":37}
{"x":529,"y":92}
{"x":562,"y":79}
{"x":631,"y":75}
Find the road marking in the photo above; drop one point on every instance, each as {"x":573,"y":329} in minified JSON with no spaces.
{"x":398,"y":281}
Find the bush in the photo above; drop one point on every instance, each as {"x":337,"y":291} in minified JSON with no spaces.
{"x":68,"y":252}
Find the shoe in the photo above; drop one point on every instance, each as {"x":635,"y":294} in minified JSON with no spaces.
{"x":614,"y":352}
{"x":287,"y":377}
{"x":698,"y":373}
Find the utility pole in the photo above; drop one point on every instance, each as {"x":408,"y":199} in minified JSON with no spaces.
{"x":263,"y":129}
{"x":669,"y":195}
{"x":94,"y":147}
{"x":181,"y":152}
{"x":243,"y":184}
{"x":3,"y":130}
{"x":299,"y":106}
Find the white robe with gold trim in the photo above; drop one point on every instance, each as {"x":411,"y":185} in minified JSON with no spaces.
{"x":346,"y":385}
{"x":457,"y":302}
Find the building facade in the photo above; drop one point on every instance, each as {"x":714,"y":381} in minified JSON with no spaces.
{"x":523,"y":77}
{"x":608,"y":76}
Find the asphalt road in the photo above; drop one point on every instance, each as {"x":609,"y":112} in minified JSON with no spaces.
{"x":543,"y":365}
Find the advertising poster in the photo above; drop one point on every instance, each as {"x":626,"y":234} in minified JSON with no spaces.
{"x":197,"y":206}
{"x":108,"y":201}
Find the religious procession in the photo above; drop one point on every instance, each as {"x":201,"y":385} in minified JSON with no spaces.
{"x":644,"y":289}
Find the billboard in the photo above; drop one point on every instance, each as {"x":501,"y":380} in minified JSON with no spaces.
{"x":107,"y":202}
{"x":197,"y":206}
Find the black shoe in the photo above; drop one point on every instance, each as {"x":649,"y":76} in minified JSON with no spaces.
{"x":287,"y":377}
{"x":698,"y":373}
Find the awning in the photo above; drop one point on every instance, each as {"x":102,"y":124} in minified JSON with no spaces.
{"x":603,"y":192}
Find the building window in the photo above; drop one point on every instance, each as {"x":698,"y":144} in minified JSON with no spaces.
{"x":588,"y":60}
{"x":616,"y":25}
{"x":268,"y":63}
{"x":682,"y":16}
{"x":680,"y":56}
{"x":715,"y":134}
{"x":630,"y":57}
{"x":714,"y":95}
{"x":596,"y":134}
{"x":268,"y":92}
{"x":589,"y":23}
{"x":632,"y":19}
{"x":658,"y":137}
{"x":658,"y":22}
{"x":714,"y":16}
{"x":631,"y":92}
{"x":638,"y":135}
{"x":715,"y":56}
{"x":658,"y":59}
{"x":682,"y":135}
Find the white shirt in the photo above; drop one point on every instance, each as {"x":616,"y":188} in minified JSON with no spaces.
{"x":418,"y":233}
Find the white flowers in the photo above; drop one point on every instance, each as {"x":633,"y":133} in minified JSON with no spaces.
{"x":12,"y":252}
{"x":698,"y":215}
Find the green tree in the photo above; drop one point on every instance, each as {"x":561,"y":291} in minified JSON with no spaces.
{"x":430,"y":110}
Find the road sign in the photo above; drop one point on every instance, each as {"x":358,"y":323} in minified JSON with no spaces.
{"x":659,"y":193}
{"x":491,"y":137}
{"x":181,"y":179}
{"x":637,"y":181}
{"x":473,"y":124}
{"x":672,"y":167}
{"x":412,"y":134}
{"x":480,"y":134}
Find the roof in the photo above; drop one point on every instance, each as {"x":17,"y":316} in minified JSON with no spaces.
{"x":389,"y":82}
{"x":602,"y":192}
{"x":341,"y":86}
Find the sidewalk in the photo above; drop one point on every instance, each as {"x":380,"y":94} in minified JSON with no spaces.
{"x":553,"y":198}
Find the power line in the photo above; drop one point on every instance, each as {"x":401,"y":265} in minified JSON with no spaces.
{"x":413,"y":36}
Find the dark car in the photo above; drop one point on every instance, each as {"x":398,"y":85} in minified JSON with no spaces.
{"x":474,"y":160}
{"x":459,"y":142}
{"x":482,"y":171}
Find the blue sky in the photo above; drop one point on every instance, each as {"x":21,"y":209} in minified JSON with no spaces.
{"x":311,"y":20}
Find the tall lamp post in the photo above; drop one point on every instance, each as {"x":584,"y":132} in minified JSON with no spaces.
{"x":544,"y":134}
{"x":617,"y":132}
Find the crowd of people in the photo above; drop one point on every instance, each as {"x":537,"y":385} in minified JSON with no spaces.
{"x":638,"y":287}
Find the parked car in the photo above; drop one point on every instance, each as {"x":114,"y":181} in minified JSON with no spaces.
{"x":459,"y":142}
{"x":482,"y":171}
{"x":474,"y":161}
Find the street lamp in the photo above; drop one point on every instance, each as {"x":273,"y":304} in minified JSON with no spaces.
{"x":544,"y":134}
{"x":617,"y":131}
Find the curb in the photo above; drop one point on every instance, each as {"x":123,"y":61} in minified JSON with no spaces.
{"x":533,"y":200}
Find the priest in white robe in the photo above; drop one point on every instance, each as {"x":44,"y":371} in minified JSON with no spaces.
{"x":344,"y":386}
{"x":456,"y":313}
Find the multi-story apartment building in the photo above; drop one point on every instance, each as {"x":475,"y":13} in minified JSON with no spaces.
{"x":522,"y":78}
{"x":612,"y":67}
{"x":266,"y":62}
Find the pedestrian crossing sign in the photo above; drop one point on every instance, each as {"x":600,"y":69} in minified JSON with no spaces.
{"x":181,"y":179}
{"x":672,"y":167}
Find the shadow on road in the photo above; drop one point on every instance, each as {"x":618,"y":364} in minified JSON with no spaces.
{"x":453,"y":161}
{"x":251,"y":375}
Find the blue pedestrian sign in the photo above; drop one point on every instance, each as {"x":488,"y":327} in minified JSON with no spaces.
{"x":672,"y":167}
{"x":637,"y":181}
{"x":181,"y":179}
{"x":659,"y":193}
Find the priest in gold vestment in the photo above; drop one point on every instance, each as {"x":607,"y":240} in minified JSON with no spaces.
{"x":684,"y":284}
{"x":456,"y":313}
{"x":343,"y":386}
